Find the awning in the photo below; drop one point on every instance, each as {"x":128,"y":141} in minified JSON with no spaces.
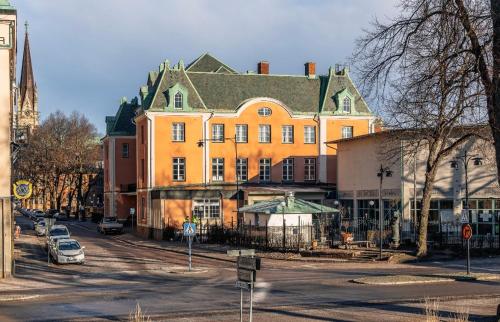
{"x":292,"y":206}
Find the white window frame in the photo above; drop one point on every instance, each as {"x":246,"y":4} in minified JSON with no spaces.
{"x":241,"y":133}
{"x":218,"y":169}
{"x":217,"y":133}
{"x":265,"y":111}
{"x":178,"y":169}
{"x":242,"y":169}
{"x":265,"y":170}
{"x":309,"y":134}
{"x":206,"y":208}
{"x":310,"y":169}
{"x":346,"y":108}
{"x":264,"y":133}
{"x":125,"y":150}
{"x":287,"y":134}
{"x":178,"y":132}
{"x":347,"y":132}
{"x":178,"y":101}
{"x":288,"y":170}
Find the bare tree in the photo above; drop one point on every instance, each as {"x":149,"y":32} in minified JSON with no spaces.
{"x":60,"y":158}
{"x":419,"y":68}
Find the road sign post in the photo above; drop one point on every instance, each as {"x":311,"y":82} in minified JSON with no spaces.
{"x":247,"y":267}
{"x":467,"y":235}
{"x":189,"y":232}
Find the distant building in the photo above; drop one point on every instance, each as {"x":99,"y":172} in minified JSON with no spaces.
{"x":27,"y":116}
{"x":205,"y":138}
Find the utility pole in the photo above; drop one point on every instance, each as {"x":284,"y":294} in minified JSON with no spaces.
{"x":388,"y":173}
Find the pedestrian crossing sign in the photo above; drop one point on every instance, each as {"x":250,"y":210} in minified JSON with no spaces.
{"x":465,"y":217}
{"x":189,"y":229}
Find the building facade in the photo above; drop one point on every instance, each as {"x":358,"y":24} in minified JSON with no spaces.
{"x":359,"y":190}
{"x":8,"y":49}
{"x":209,"y":139}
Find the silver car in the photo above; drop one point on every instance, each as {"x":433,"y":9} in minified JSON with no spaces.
{"x":67,"y":251}
{"x":40,"y":228}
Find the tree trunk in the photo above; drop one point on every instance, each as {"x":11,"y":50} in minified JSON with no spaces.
{"x":424,"y":217}
{"x":493,"y":99}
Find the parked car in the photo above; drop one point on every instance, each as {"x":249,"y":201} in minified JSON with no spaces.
{"x":57,"y":232}
{"x":38,"y":214}
{"x":40,"y":228}
{"x":65,"y":251}
{"x":109,"y":225}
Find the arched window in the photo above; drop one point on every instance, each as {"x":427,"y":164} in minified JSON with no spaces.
{"x":347,"y":105}
{"x":178,"y":100}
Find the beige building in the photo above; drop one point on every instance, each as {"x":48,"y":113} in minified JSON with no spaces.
{"x":359,"y":162}
{"x":7,"y":94}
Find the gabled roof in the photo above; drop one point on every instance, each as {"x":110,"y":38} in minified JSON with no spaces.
{"x":214,"y":86}
{"x":297,"y":206}
{"x":122,"y":123}
{"x":208,"y":64}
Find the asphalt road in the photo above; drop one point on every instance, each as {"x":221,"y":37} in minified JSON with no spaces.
{"x":117,"y":276}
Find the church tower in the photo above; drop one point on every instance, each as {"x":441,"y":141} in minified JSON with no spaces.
{"x":27,"y":107}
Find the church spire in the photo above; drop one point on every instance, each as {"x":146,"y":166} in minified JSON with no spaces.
{"x":27,"y":107}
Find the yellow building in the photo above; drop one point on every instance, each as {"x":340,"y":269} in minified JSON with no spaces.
{"x":209,"y":138}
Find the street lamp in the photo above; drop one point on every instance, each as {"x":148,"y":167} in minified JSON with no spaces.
{"x":388,"y":173}
{"x":283,"y":204}
{"x":464,"y":160}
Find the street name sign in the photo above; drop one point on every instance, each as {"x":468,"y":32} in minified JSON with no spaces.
{"x":189,"y":229}
{"x":465,"y":216}
{"x":250,"y":263}
{"x":241,"y":252}
{"x":243,"y":285}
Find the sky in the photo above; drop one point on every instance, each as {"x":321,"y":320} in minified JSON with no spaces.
{"x":87,"y":55}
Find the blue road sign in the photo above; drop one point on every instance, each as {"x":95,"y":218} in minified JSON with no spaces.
{"x":189,"y":229}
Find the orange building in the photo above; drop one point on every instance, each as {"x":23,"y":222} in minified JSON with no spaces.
{"x":208,"y":138}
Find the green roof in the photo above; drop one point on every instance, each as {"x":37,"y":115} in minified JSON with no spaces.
{"x":122,"y":123}
{"x":213,"y":85}
{"x":293,"y":206}
{"x":5,"y":5}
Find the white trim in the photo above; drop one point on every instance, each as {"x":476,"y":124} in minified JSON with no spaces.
{"x":112,"y":174}
{"x":206,"y":143}
{"x":322,"y":160}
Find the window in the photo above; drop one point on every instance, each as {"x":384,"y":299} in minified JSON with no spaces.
{"x":217,"y":169}
{"x":178,"y":132}
{"x":287,"y":134}
{"x":206,"y":208}
{"x":265,"y":170}
{"x":143,"y":170}
{"x":288,"y":169}
{"x":179,"y":169}
{"x":264,"y":133}
{"x":347,"y":132}
{"x":242,"y":169}
{"x":143,"y":208}
{"x":309,"y":134}
{"x":178,"y":100}
{"x":241,"y":133}
{"x":264,"y":111}
{"x":142,"y":134}
{"x":218,"y":133}
{"x":310,"y":169}
{"x":347,"y":105}
{"x":125,"y":150}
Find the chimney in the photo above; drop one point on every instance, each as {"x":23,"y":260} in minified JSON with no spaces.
{"x":310,"y":69}
{"x":263,"y":67}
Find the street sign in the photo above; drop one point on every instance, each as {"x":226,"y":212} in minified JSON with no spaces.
{"x":243,"y":285}
{"x":241,"y":252}
{"x":465,"y":216}
{"x":246,"y":275}
{"x":23,"y":189}
{"x":189,"y":229}
{"x":250,"y":263}
{"x":466,"y":231}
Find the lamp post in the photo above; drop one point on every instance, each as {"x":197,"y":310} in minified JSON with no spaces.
{"x":201,"y":143}
{"x":464,"y":160}
{"x":388,"y":173}
{"x":283,"y":204}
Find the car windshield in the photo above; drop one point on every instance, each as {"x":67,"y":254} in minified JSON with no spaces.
{"x":59,"y":232}
{"x":72,"y":245}
{"x":110,"y":219}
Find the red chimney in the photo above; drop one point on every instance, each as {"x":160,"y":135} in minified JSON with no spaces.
{"x":263,"y":67}
{"x":310,"y":69}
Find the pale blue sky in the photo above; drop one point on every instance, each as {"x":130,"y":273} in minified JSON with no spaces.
{"x":88,"y":54}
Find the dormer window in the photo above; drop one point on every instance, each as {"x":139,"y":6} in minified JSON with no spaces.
{"x":178,"y":100}
{"x":264,"y":111}
{"x":347,"y":105}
